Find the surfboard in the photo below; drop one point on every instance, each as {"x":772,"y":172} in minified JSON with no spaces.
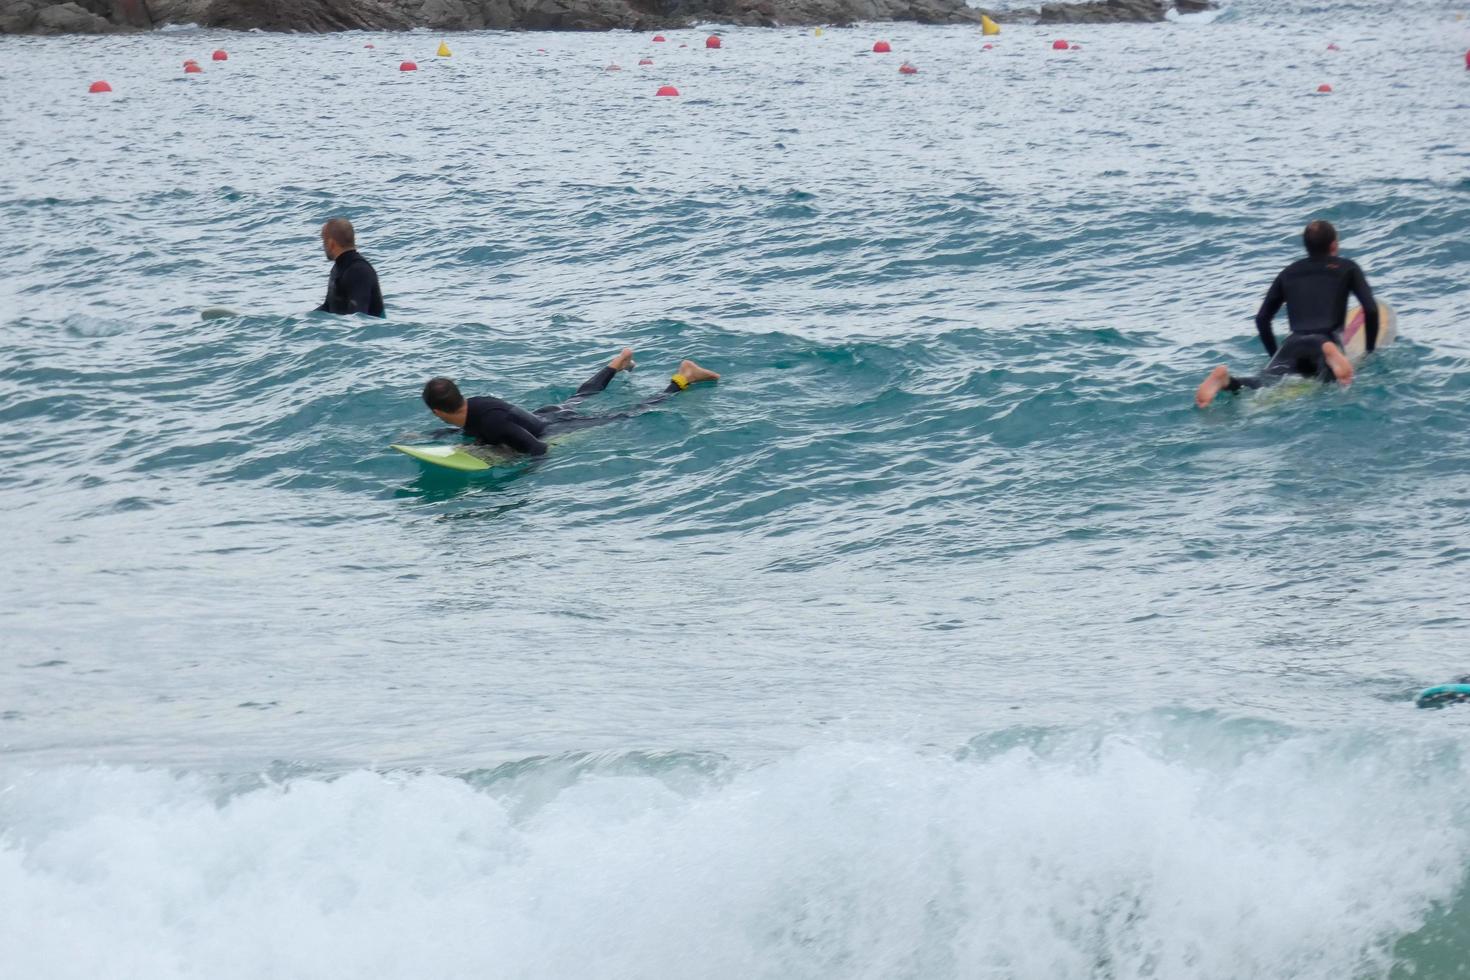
{"x":447,"y":457}
{"x":1355,"y":339}
{"x":1441,"y":695}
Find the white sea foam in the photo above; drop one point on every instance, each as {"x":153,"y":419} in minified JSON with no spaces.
{"x":1198,"y":17}
{"x":1173,"y":855}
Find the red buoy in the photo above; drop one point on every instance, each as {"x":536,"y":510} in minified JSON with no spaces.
{"x":1324,"y":87}
{"x":613,"y":68}
{"x":1332,"y":46}
{"x":1059,"y":45}
{"x":408,"y":66}
{"x":1467,"y":60}
{"x":907,"y":69}
{"x":100,"y":87}
{"x":668,"y":90}
{"x":659,"y":39}
{"x":987,"y":47}
{"x":645,"y":61}
{"x":220,"y":56}
{"x":1076,"y":47}
{"x":369,"y":45}
{"x":189,"y":62}
{"x":193,"y":69}
{"x":712,"y":41}
{"x":881,"y":47}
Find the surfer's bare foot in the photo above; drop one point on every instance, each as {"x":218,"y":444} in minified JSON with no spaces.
{"x":1213,"y":385}
{"x":1342,"y":368}
{"x":694,"y":374}
{"x":624,"y":361}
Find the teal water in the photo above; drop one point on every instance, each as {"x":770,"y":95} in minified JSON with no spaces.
{"x":943,"y":638}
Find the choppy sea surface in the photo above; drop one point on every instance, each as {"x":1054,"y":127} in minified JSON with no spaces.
{"x":943,"y":638}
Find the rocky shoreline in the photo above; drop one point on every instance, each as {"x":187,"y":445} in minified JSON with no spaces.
{"x":317,"y":16}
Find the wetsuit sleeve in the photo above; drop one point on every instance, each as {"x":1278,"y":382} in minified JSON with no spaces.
{"x":520,"y":440}
{"x":1370,"y":306}
{"x":357,"y":284}
{"x":1275,"y":298}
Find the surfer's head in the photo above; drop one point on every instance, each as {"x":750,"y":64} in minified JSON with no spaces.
{"x":444,"y":400}
{"x":338,"y":237}
{"x":1320,"y":239}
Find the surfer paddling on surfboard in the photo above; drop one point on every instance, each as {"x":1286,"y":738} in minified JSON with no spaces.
{"x":499,"y":423}
{"x":1315,"y":292}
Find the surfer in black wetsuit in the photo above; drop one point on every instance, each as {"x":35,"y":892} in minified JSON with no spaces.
{"x":499,"y":423}
{"x":1315,"y":292}
{"x":353,"y":284}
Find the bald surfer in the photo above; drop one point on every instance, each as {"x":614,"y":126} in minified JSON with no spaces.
{"x":1315,"y":293}
{"x":352,"y":286}
{"x":499,"y":423}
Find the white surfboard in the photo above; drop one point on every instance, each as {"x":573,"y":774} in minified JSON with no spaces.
{"x":1355,"y":338}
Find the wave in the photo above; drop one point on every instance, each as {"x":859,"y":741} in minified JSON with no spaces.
{"x":1176,"y":845}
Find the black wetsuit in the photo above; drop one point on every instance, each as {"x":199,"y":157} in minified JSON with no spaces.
{"x":1315,"y":292}
{"x":499,"y":423}
{"x":353,"y":287}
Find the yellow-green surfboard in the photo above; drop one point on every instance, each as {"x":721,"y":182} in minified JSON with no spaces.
{"x":448,"y":457}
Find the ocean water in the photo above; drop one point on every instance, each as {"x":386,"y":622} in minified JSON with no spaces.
{"x":942,"y":638}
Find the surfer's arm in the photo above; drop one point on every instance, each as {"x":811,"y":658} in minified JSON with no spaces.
{"x":1275,"y":298}
{"x":513,"y":436}
{"x":1370,"y":306}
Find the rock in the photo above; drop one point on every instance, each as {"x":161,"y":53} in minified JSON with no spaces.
{"x":17,"y":18}
{"x":1106,"y":12}
{"x":448,"y":15}
{"x":97,"y":16}
{"x":133,"y":13}
{"x":310,"y":16}
{"x":70,"y":18}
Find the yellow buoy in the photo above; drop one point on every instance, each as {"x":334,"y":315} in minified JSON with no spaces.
{"x":988,"y":26}
{"x":443,"y":50}
{"x":816,"y":32}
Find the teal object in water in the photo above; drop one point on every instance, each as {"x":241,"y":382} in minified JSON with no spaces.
{"x":1443,"y":695}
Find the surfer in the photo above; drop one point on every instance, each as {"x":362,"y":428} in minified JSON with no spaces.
{"x":499,"y":423}
{"x":353,"y":285}
{"x":1315,"y":292}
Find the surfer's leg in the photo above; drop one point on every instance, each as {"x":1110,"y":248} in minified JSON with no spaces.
{"x":594,"y":384}
{"x":1218,"y":380}
{"x":1213,"y":384}
{"x":689,"y":373}
{"x":1341,"y":367}
{"x":599,"y":381}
